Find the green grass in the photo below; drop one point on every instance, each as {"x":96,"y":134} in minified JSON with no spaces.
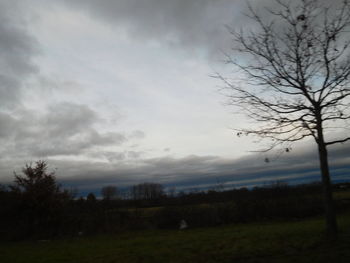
{"x":299,"y":241}
{"x":341,"y":195}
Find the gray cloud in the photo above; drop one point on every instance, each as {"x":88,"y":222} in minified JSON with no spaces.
{"x":17,"y":49}
{"x":192,"y":171}
{"x":66,"y":119}
{"x":193,"y":24}
{"x":115,"y":156}
{"x":137,"y":134}
{"x":190,"y":23}
{"x":299,"y":166}
{"x":64,"y":129}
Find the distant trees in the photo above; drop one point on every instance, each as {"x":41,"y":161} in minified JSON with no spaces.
{"x":36,"y":207}
{"x":171,"y":191}
{"x":147,"y":191}
{"x":91,"y":197}
{"x":109,"y":192}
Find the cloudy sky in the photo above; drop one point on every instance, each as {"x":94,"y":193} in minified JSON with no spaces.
{"x":120,"y":92}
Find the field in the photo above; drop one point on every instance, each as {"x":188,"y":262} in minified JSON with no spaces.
{"x":298,"y":241}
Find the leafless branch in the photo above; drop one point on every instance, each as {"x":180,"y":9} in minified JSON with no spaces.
{"x":296,"y":71}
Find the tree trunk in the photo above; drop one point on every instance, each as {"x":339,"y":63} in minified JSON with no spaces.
{"x":330,"y":215}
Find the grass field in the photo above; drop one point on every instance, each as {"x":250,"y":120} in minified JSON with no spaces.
{"x":299,"y":241}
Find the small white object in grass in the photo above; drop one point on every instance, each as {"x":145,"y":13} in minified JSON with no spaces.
{"x":183,"y":224}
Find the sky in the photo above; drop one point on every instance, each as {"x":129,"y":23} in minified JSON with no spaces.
{"x":121,"y":92}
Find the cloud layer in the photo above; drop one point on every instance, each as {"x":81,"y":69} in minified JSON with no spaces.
{"x":64,"y":129}
{"x":61,"y":119}
{"x":193,"y":24}
{"x":205,"y":172}
{"x":17,"y":50}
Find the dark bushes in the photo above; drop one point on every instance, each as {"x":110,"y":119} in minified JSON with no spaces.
{"x":39,"y":214}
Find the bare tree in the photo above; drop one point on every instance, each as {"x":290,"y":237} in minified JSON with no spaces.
{"x":109,"y":192}
{"x":296,"y":68}
{"x":147,"y":191}
{"x":171,"y":191}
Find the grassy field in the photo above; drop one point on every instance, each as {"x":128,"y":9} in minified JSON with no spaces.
{"x":300,"y":241}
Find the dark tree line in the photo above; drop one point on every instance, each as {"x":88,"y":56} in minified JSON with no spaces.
{"x":147,"y":191}
{"x":36,"y":207}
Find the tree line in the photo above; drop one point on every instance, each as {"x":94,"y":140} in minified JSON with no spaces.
{"x":142,"y":191}
{"x":35,"y":206}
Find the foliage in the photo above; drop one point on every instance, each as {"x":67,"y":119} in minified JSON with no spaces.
{"x":91,"y":197}
{"x":35,"y":203}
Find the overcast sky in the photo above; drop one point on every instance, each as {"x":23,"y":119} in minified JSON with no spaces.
{"x":119,"y":92}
